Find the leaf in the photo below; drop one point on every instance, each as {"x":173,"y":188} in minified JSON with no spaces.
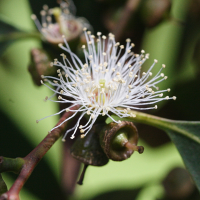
{"x":184,"y":134}
{"x":13,"y":143}
{"x":9,"y":33}
{"x":3,"y":187}
{"x":6,"y":29}
{"x":128,"y":194}
{"x":188,"y":148}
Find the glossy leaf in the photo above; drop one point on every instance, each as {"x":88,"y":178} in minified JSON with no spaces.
{"x":189,"y":149}
{"x":184,"y":134}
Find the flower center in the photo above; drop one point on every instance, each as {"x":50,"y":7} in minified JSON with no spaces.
{"x":61,"y":21}
{"x":100,"y":93}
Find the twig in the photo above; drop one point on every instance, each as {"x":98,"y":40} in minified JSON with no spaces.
{"x":33,"y":158}
{"x":128,"y":11}
{"x":11,"y":164}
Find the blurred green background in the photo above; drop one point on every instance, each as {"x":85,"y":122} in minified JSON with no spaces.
{"x":21,"y":103}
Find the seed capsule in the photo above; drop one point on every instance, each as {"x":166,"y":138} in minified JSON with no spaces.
{"x":88,"y":149}
{"x":119,"y":141}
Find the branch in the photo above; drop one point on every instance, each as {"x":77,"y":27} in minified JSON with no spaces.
{"x":11,"y":164}
{"x":33,"y":158}
{"x":128,"y":11}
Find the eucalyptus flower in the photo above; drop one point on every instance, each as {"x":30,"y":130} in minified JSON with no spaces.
{"x":65,"y":22}
{"x":110,"y":78}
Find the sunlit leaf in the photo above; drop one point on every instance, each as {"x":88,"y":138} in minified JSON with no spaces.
{"x":6,"y":29}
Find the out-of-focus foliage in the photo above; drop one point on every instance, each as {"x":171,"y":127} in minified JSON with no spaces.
{"x":6,"y":29}
{"x":173,"y":39}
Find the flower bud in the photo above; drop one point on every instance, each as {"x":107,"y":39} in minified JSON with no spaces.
{"x":88,"y":150}
{"x":40,"y":65}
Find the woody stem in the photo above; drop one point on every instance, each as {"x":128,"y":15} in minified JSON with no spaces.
{"x":33,"y":158}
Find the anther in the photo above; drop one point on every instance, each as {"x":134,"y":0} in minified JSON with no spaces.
{"x":80,"y":127}
{"x":162,"y":75}
{"x":33,"y":17}
{"x":60,"y":44}
{"x":132,"y":44}
{"x":133,"y":115}
{"x":88,"y":112}
{"x":174,"y":97}
{"x":144,"y":73}
{"x":92,"y":116}
{"x":51,"y":64}
{"x":82,"y":131}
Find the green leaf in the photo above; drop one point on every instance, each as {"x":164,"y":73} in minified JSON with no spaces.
{"x":3,"y":187}
{"x":188,"y":148}
{"x":6,"y":25}
{"x":128,"y":194}
{"x":5,"y":30}
{"x":9,"y":33}
{"x":184,"y":134}
{"x":13,"y":143}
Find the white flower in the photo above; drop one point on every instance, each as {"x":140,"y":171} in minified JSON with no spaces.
{"x":107,"y":80}
{"x":65,"y":22}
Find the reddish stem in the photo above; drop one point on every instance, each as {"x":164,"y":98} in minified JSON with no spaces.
{"x":33,"y":158}
{"x":134,"y":147}
{"x":128,"y":11}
